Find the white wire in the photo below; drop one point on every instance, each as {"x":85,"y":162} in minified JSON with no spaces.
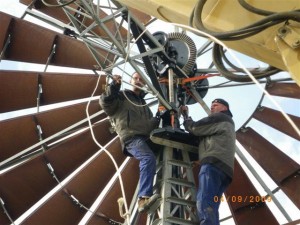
{"x":108,"y":153}
{"x":125,"y":61}
{"x":290,"y":121}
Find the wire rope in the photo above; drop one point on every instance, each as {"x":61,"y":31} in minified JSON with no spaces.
{"x":108,"y":153}
{"x":73,"y":198}
{"x":58,"y":5}
{"x":218,"y":54}
{"x":253,"y":9}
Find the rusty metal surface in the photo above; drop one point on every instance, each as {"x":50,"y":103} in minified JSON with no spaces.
{"x":19,"y":90}
{"x":74,"y":151}
{"x":72,"y":53}
{"x":69,"y":51}
{"x":245,"y":202}
{"x":24,"y":185}
{"x":16,"y":135}
{"x":291,"y":187}
{"x":109,"y":205}
{"x":53,"y":121}
{"x":65,"y":87}
{"x":57,"y":13}
{"x":296,"y":222}
{"x":23,"y":42}
{"x":276,"y":120}
{"x":115,"y":28}
{"x":20,"y":133}
{"x":289,"y":90}
{"x":4,"y":28}
{"x":85,"y":186}
{"x":112,"y":26}
{"x":142,"y":17}
{"x":280,"y":167}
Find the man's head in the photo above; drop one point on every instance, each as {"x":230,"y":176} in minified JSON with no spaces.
{"x":137,"y":80}
{"x":219,"y":105}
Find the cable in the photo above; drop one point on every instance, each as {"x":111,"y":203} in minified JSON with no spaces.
{"x":59,"y":5}
{"x":254,"y":10}
{"x":73,"y":198}
{"x":244,"y":32}
{"x":218,"y":54}
{"x":107,"y":152}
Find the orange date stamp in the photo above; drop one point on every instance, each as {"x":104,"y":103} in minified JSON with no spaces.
{"x":240,"y":198}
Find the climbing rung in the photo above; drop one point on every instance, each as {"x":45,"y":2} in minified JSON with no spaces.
{"x":180,"y":163}
{"x":176,"y":220}
{"x":181,"y":201}
{"x":181,"y":182}
{"x":175,"y":182}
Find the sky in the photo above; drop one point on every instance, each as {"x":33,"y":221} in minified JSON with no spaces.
{"x":243,"y":101}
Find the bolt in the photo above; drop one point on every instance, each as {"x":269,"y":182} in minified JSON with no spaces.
{"x":296,"y":44}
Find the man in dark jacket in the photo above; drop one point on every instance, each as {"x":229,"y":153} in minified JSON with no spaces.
{"x":133,"y":121}
{"x":216,"y":156}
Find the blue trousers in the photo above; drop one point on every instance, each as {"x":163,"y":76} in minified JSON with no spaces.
{"x":140,"y":150}
{"x":212,"y":184}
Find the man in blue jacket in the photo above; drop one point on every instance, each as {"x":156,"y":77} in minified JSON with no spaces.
{"x":216,"y":156}
{"x":133,"y":121}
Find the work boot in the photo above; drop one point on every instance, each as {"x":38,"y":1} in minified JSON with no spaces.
{"x":146,"y":202}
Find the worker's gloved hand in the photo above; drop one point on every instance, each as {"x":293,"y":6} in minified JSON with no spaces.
{"x":115,"y":86}
{"x":117,"y":79}
{"x":184,"y":110}
{"x":157,"y":115}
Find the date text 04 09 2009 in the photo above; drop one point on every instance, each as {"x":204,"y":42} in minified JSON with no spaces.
{"x":240,"y":198}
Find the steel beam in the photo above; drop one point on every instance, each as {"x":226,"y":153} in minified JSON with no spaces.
{"x":276,"y":120}
{"x":289,"y":90}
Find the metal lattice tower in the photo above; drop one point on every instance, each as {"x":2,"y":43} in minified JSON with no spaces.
{"x":177,"y":187}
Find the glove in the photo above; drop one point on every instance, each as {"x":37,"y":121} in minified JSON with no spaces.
{"x":184,"y":111}
{"x":157,"y":115}
{"x":117,"y":79}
